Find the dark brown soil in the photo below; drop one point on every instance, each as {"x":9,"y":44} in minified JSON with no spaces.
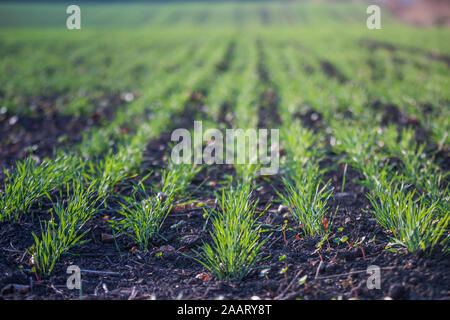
{"x":45,"y":129}
{"x":117,"y":270}
{"x":268,"y":102}
{"x":331,"y":71}
{"x":173,"y":274}
{"x":371,"y":44}
{"x":392,"y":114}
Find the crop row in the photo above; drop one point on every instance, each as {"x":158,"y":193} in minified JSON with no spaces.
{"x":102,"y":172}
{"x":409,"y":198}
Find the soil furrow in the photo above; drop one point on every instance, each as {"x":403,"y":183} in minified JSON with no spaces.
{"x":371,"y":44}
{"x":269,"y":99}
{"x":48,"y":129}
{"x":332,"y":71}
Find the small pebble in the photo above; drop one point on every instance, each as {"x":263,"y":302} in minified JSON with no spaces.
{"x":13,"y":120}
{"x":282,"y":209}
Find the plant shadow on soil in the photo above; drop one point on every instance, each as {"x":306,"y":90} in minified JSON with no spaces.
{"x":167,"y":272}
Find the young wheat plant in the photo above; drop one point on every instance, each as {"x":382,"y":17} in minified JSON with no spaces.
{"x":307,"y":198}
{"x":235,"y":236}
{"x":30,"y":181}
{"x":64,"y":230}
{"x":414,"y":222}
{"x":142,"y":220}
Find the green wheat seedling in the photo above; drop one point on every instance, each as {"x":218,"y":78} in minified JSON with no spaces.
{"x":143,"y":219}
{"x":247,"y":165}
{"x":307,"y":198}
{"x":247,"y":172}
{"x":235,"y":234}
{"x":30,"y":181}
{"x":362,"y":152}
{"x":176,"y":179}
{"x":302,"y":146}
{"x":440,"y":129}
{"x":412,"y":221}
{"x":97,"y":142}
{"x":25,"y":184}
{"x":64,"y":230}
{"x":114,"y":168}
{"x":108,"y":172}
{"x":359,"y":144}
{"x":416,"y":169}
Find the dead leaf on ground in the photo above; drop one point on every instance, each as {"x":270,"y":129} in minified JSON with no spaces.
{"x":107,"y":237}
{"x":96,"y":116}
{"x":203,"y":276}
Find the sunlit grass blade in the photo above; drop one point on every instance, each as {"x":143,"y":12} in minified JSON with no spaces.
{"x":236,"y":244}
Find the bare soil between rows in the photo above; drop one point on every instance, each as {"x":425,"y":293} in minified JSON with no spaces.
{"x":167,"y":270}
{"x":115,"y":269}
{"x":46,"y":129}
